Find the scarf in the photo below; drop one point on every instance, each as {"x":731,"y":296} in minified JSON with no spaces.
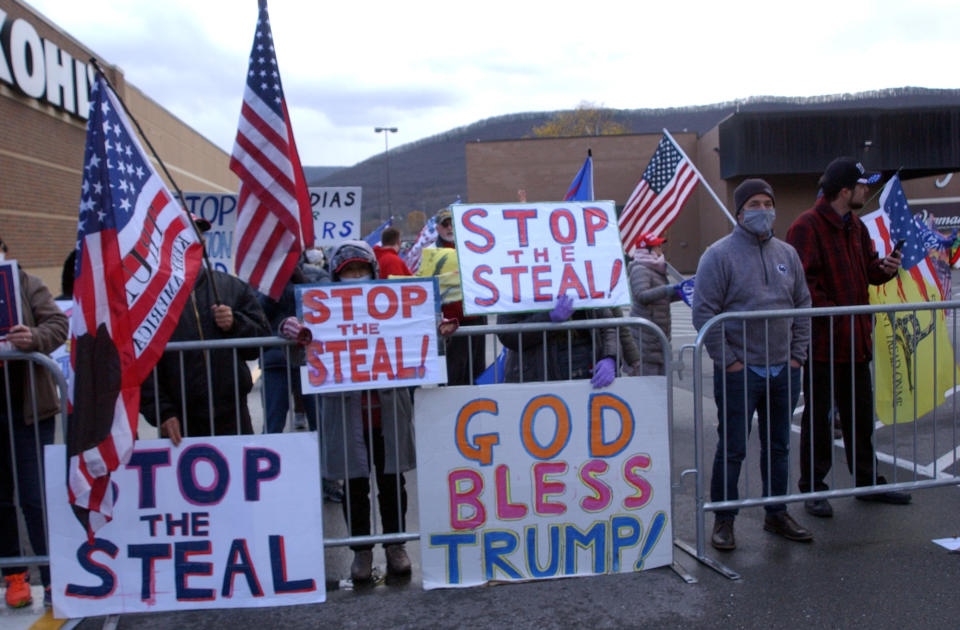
{"x":643,"y":256}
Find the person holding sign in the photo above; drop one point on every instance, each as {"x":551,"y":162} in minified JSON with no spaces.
{"x":465,"y":355}
{"x":560,"y":355}
{"x":42,"y":328}
{"x":355,"y":421}
{"x":756,"y":367}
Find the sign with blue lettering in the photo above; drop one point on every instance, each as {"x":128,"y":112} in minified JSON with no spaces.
{"x":336,"y":214}
{"x":227,"y":521}
{"x":531,"y":481}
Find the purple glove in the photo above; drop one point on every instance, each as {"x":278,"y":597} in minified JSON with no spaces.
{"x":603,"y":373}
{"x":562,"y":310}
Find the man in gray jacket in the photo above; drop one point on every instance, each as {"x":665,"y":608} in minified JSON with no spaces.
{"x":756,"y":363}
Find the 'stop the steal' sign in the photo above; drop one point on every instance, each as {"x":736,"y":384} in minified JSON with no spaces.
{"x":520,"y":257}
{"x":370,"y":335}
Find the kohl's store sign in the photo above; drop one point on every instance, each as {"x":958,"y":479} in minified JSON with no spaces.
{"x":40,"y":69}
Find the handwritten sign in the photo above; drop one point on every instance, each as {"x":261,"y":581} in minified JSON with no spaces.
{"x":221,"y":211}
{"x":520,"y":257}
{"x":370,"y":335}
{"x":336,"y":214}
{"x":523,"y":482}
{"x":196,"y":526}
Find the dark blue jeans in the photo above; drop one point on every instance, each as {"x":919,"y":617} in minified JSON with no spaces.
{"x":277,"y":399}
{"x":736,"y":403}
{"x":28,"y":460}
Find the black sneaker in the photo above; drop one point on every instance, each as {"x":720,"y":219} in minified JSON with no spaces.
{"x":892,"y":497}
{"x":818,"y":507}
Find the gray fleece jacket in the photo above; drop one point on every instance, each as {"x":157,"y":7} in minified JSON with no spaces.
{"x":741,"y":273}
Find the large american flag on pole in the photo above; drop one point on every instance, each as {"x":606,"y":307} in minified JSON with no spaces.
{"x":137,"y":260}
{"x":274,"y":220}
{"x":656,"y":201}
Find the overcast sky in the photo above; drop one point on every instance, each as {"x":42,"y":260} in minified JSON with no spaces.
{"x":429,"y":66}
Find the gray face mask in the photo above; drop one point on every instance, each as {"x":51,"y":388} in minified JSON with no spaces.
{"x":759,"y":222}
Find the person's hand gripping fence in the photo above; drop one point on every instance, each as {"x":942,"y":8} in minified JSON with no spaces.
{"x":603,"y":372}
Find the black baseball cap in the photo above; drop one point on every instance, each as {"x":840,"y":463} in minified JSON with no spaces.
{"x":845,"y":172}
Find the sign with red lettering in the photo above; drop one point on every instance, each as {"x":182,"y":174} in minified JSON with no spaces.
{"x":221,"y":522}
{"x":520,"y":257}
{"x":370,"y":335}
{"x":524,"y":482}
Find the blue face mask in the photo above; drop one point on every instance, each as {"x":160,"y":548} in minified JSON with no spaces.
{"x":759,"y":222}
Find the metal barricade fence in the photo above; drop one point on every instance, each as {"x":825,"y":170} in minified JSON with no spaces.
{"x":532,"y":340}
{"x":834,"y":387}
{"x":22,"y":486}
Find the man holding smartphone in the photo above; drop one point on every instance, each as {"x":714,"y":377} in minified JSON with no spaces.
{"x":839,"y":261}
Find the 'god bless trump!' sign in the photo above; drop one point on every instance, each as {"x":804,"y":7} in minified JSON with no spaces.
{"x":523,"y":482}
{"x":520,"y":257}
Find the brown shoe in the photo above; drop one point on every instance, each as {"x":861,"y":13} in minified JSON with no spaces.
{"x":722,"y":537}
{"x":362,"y":568}
{"x":398,"y":562}
{"x":783,"y":524}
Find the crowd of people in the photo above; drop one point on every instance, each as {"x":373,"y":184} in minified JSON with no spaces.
{"x":826,"y":259}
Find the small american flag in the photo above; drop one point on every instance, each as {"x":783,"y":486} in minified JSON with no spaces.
{"x":427,"y":237}
{"x":902,"y":225}
{"x":137,"y":261}
{"x":656,"y":201}
{"x":274,"y":220}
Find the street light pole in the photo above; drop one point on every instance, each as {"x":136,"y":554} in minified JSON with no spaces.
{"x":386,"y":154}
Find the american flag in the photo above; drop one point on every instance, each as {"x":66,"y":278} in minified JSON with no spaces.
{"x":137,"y":260}
{"x":274,"y":220}
{"x":914,"y":254}
{"x":427,"y":237}
{"x":656,"y":201}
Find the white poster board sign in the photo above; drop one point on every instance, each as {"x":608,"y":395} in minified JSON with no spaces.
{"x":520,"y":257}
{"x":370,"y":335}
{"x":535,"y":481}
{"x":221,"y":211}
{"x":336,"y":214}
{"x":229,"y":521}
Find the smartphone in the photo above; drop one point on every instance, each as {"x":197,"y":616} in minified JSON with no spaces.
{"x":898,"y":246}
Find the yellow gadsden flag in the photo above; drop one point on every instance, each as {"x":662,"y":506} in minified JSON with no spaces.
{"x":913,"y":358}
{"x":442,"y":262}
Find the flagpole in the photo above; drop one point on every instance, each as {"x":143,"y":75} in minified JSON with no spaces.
{"x":700,"y":176}
{"x":593,"y":182}
{"x":183,"y":203}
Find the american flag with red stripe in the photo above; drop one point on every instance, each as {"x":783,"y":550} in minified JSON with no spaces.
{"x":137,"y":261}
{"x":656,"y":201}
{"x":274,"y":220}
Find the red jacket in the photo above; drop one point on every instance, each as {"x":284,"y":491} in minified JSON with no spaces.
{"x":839,"y":261}
{"x":390,"y":263}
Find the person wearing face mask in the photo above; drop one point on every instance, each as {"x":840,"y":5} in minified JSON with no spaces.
{"x":840,"y":261}
{"x":756,"y":368}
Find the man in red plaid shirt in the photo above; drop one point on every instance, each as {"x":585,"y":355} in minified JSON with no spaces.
{"x":840,"y":261}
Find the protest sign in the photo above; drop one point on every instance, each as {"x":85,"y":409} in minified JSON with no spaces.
{"x":228,"y":521}
{"x":370,"y":335}
{"x":9,"y":296}
{"x":221,"y":211}
{"x":533,"y":481}
{"x":336,"y":214}
{"x":520,"y":257}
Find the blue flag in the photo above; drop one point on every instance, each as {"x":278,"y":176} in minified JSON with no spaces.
{"x":581,"y":189}
{"x":373,"y":238}
{"x":495,"y":372}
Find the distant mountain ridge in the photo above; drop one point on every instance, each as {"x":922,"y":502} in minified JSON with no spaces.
{"x":431,"y":173}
